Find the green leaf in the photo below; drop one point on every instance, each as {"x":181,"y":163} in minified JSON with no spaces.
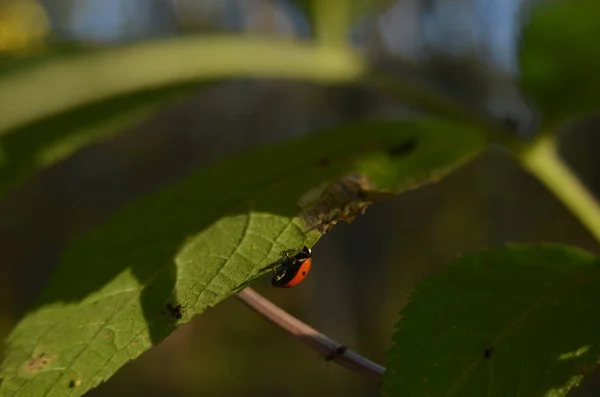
{"x":206,"y":237}
{"x":514,"y":321}
{"x":65,"y":83}
{"x":41,"y":144}
{"x":560,"y":61}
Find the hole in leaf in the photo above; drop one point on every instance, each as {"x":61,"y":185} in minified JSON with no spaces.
{"x":487,"y":353}
{"x":404,"y":148}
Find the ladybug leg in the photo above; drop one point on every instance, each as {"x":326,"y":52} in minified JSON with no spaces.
{"x":274,"y":266}
{"x":279,"y":272}
{"x":285,"y":253}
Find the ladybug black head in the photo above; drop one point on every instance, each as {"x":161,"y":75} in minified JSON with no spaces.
{"x":304,"y":254}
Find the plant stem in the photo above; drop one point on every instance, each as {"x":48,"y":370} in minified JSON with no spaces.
{"x":328,"y":348}
{"x":332,"y":21}
{"x":540,"y":158}
{"x":543,"y":161}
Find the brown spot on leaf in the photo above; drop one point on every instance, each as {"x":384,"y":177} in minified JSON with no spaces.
{"x":38,"y":363}
{"x":73,"y":383}
{"x":343,"y":200}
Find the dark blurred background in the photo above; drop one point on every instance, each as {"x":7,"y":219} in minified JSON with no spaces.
{"x":362,"y":272}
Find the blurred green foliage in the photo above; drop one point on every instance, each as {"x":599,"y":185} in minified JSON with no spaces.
{"x":210,"y":233}
{"x":43,"y":143}
{"x":559,"y":61}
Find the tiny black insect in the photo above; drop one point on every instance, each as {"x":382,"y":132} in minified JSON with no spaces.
{"x":74,"y":383}
{"x":175,"y":310}
{"x":341,"y":349}
{"x":487,"y":353}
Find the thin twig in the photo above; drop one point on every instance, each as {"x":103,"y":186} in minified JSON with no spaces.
{"x":328,"y":348}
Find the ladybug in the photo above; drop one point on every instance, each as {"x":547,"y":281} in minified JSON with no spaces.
{"x":292,"y":270}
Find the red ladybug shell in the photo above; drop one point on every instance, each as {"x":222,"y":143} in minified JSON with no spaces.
{"x":292,"y":271}
{"x":300,"y":274}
